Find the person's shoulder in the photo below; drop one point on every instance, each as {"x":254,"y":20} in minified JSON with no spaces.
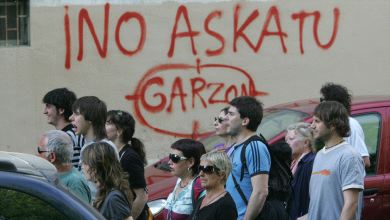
{"x":309,"y":157}
{"x":256,"y":141}
{"x":348,"y":152}
{"x":354,"y":124}
{"x":227,"y":202}
{"x":116,"y":195}
{"x":76,"y":176}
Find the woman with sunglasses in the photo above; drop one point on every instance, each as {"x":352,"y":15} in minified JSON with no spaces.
{"x":217,"y":204}
{"x":101,"y":166}
{"x":220,"y":127}
{"x":120,"y":127}
{"x":184,"y":163}
{"x":300,"y":139}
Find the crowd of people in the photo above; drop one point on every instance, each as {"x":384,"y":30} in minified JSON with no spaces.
{"x":99,"y":160}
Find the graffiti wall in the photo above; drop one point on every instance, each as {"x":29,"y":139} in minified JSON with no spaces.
{"x":174,"y":65}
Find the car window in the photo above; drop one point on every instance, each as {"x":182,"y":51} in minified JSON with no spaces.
{"x":277,"y":120}
{"x":371,"y":127}
{"x":274,"y":122}
{"x":16,"y":205}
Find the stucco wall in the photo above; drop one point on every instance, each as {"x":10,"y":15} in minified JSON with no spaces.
{"x":218,"y":47}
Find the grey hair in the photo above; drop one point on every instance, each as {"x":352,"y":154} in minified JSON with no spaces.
{"x":303,"y":131}
{"x":220,"y":160}
{"x":60,"y":143}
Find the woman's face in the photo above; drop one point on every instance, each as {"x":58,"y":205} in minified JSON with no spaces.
{"x":220,"y":124}
{"x":86,"y":170}
{"x":178,"y":163}
{"x":112,"y":131}
{"x":296,"y":143}
{"x":209,"y":177}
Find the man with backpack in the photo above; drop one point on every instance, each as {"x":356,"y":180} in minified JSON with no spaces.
{"x":249,"y":190}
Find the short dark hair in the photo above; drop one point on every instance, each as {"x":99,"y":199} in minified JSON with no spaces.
{"x":337,"y":92}
{"x":61,"y":98}
{"x":126,"y":122}
{"x":334,"y":114}
{"x":250,"y":108}
{"x":94,"y":110}
{"x":190,"y":148}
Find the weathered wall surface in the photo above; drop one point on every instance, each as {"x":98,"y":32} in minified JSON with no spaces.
{"x":174,"y":65}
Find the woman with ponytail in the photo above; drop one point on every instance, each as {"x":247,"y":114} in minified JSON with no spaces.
{"x":120,"y":127}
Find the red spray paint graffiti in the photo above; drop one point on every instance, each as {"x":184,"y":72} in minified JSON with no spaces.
{"x":240,"y":28}
{"x":192,"y":86}
{"x":102,"y":47}
{"x":198,"y":90}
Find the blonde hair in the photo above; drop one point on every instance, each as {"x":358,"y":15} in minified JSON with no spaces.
{"x":303,"y":131}
{"x":220,"y":160}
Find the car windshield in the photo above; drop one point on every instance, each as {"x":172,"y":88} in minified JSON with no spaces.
{"x":274,"y":122}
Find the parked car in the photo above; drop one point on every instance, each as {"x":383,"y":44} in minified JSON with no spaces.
{"x":373,"y":114}
{"x":29,"y":189}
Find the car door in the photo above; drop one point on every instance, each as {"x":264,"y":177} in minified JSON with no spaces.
{"x":374,"y":122}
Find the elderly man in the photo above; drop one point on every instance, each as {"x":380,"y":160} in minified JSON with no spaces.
{"x":56,"y":147}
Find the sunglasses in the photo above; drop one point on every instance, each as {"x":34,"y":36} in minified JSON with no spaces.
{"x":41,"y":151}
{"x":208,"y":169}
{"x":219,"y":120}
{"x":176,"y":158}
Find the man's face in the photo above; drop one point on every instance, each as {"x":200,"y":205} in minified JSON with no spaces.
{"x":52,"y":114}
{"x":80,"y":125}
{"x":234,"y":122}
{"x":42,"y":150}
{"x":320,"y":131}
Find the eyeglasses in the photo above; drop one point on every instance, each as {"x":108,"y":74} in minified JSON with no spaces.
{"x":176,"y":158}
{"x":208,"y":169}
{"x":219,"y":120}
{"x":41,"y":151}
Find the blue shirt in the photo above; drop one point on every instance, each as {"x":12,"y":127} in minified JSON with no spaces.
{"x":258,"y":161}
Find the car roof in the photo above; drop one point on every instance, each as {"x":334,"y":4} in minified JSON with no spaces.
{"x":27,"y":164}
{"x":358,"y":102}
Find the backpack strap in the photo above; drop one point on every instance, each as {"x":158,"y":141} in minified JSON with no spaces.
{"x":243,"y":162}
{"x":243,"y":151}
{"x":239,"y":190}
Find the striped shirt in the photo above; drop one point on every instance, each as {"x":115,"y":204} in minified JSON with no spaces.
{"x":78,"y":142}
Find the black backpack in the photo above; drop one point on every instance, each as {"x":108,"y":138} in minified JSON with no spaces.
{"x":280,"y":177}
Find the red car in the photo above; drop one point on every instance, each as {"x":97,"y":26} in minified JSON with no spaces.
{"x":373,"y":114}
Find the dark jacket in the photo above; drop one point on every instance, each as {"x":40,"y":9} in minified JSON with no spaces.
{"x":300,"y":194}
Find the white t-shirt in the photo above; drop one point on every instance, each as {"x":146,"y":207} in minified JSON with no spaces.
{"x":356,"y":139}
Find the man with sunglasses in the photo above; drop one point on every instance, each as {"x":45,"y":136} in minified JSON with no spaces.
{"x":244,"y":116}
{"x":56,"y":147}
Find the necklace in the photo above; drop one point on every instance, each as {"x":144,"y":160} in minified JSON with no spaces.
{"x":341,"y":141}
{"x":213,"y":199}
{"x":184,"y":185}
